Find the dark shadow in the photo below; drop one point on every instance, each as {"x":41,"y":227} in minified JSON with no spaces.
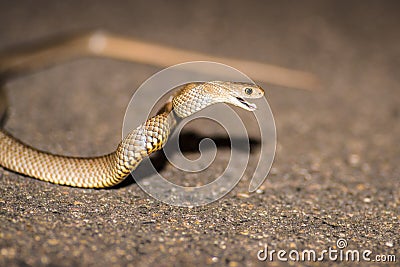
{"x":188,"y":142}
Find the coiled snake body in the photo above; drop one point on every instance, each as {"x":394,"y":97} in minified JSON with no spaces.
{"x":109,"y":170}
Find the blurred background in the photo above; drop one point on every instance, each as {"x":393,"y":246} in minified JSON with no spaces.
{"x":336,"y":172}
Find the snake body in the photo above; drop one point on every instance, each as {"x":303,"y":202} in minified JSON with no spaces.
{"x":111,"y":169}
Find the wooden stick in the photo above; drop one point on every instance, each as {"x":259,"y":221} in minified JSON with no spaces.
{"x":128,"y":49}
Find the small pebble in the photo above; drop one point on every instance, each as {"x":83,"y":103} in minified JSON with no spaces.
{"x":259,"y":191}
{"x":389,"y":244}
{"x":367,"y":200}
{"x":354,"y":160}
{"x":243,"y":195}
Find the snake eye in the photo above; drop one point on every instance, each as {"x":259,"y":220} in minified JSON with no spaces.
{"x":248,"y":90}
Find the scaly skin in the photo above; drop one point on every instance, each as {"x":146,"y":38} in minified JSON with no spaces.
{"x":109,"y":170}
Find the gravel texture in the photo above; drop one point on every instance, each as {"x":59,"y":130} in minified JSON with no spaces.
{"x":336,"y":172}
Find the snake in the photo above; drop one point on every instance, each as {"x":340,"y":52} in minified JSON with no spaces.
{"x":111,"y":169}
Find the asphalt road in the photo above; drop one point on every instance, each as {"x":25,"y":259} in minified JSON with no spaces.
{"x":336,"y":174}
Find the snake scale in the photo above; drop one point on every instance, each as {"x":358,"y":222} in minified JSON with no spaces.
{"x":109,"y":170}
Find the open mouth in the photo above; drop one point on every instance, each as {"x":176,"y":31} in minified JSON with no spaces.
{"x":250,"y":106}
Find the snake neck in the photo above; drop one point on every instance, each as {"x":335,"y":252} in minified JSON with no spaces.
{"x":191,"y":99}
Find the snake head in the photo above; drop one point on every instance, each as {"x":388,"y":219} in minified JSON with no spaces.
{"x":235,"y":93}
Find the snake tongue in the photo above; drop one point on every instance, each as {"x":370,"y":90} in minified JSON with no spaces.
{"x":247,"y":105}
